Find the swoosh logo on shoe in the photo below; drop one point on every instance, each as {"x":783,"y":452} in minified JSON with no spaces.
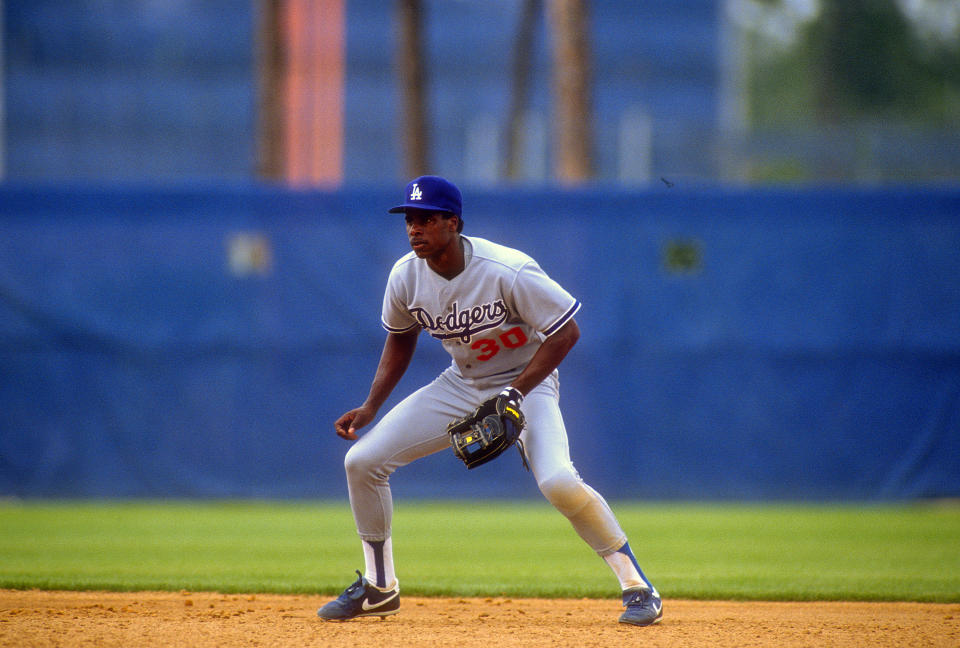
{"x":367,"y":606}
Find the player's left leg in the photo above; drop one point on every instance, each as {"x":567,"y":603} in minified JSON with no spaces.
{"x":548,"y":453}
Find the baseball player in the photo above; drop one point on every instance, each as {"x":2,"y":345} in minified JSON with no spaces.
{"x":507,"y":326}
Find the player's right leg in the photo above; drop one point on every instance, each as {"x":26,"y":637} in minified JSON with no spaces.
{"x":414,"y":428}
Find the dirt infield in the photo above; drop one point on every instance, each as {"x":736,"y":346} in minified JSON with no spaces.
{"x":69,"y":619}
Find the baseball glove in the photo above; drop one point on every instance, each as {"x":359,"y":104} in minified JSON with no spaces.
{"x":486,"y":433}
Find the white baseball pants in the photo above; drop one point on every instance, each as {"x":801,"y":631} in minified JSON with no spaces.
{"x":416,"y":427}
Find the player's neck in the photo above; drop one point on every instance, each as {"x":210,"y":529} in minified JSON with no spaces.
{"x":448,"y":262}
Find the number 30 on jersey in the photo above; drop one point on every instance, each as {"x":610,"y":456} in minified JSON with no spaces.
{"x":489,"y":347}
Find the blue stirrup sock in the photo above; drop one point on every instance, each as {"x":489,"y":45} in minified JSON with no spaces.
{"x":378,"y":556}
{"x":627,"y":570}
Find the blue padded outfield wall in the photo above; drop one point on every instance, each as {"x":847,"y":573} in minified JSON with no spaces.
{"x":774,"y":344}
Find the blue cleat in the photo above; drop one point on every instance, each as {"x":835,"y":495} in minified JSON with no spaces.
{"x":362,"y":599}
{"x":644,"y":606}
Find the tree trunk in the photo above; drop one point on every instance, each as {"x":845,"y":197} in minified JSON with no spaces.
{"x":520,"y":84}
{"x":411,"y":66}
{"x":572,"y":134}
{"x":270,"y":145}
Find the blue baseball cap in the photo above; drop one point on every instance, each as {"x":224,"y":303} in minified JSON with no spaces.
{"x":432,"y":193}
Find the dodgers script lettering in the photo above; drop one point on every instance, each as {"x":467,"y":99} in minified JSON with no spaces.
{"x":462,"y":323}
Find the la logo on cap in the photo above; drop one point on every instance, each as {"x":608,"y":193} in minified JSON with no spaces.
{"x":431,"y":193}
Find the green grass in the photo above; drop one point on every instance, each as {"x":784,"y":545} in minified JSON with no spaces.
{"x":784,"y":552}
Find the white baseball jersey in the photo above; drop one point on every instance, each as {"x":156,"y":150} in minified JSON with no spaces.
{"x":491,"y":318}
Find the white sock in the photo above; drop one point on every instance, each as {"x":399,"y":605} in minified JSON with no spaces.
{"x":624,"y":564}
{"x":625,"y":571}
{"x":378,"y":557}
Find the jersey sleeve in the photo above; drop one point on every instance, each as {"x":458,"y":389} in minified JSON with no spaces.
{"x":540,"y":301}
{"x":395,"y":316}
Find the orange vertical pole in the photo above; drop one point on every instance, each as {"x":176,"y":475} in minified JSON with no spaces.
{"x":314,"y":92}
{"x":293,"y":88}
{"x":326,"y":162}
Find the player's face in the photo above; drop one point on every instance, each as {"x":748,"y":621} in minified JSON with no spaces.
{"x":429,"y":233}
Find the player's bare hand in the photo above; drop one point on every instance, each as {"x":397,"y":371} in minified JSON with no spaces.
{"x":348,"y":424}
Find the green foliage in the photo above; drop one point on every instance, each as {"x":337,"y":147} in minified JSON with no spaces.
{"x":857,"y":60}
{"x":518,"y":549}
{"x":864,"y":59}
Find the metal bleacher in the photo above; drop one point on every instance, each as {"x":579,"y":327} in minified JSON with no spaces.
{"x":155,"y":91}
